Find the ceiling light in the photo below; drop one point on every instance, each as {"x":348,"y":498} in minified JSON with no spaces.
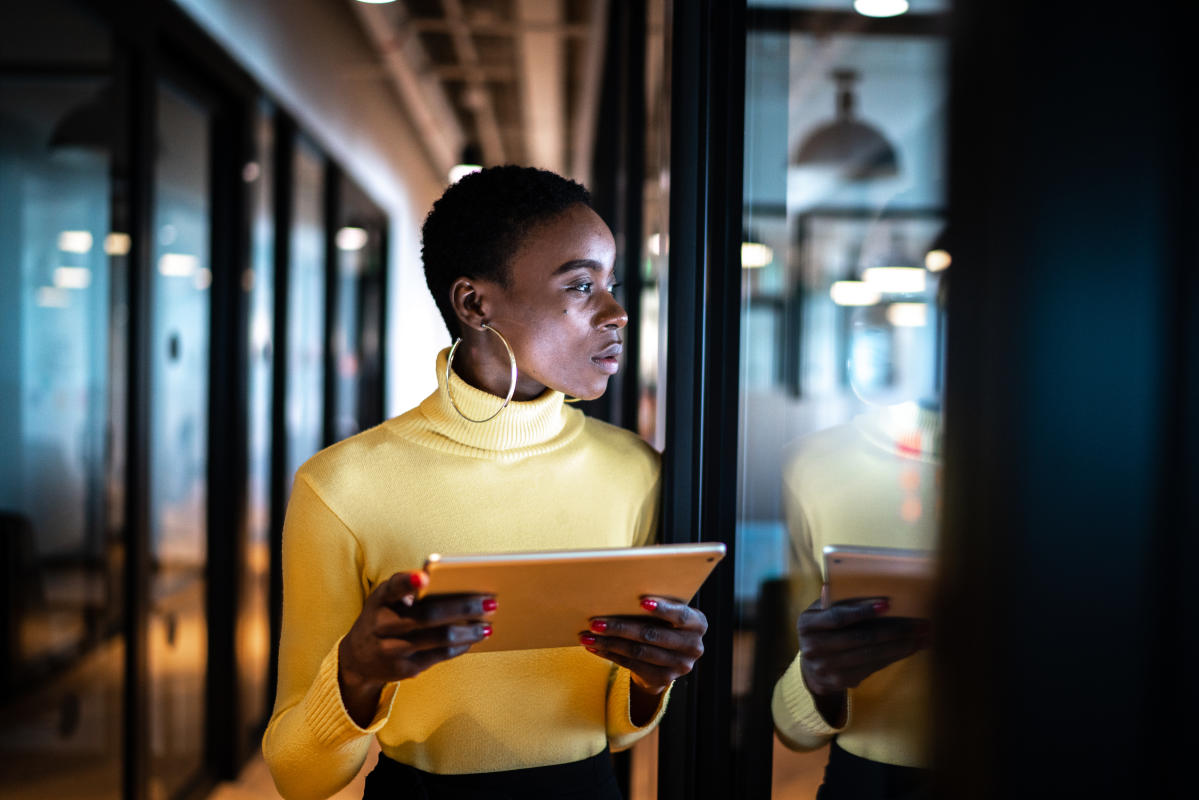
{"x":908,"y":315}
{"x":350,"y":239}
{"x":376,"y":2}
{"x":72,"y":277}
{"x":52,"y":297}
{"x":117,"y":244}
{"x":75,"y":241}
{"x":854,"y":293}
{"x":177,"y":265}
{"x":937,"y":260}
{"x":880,"y":8}
{"x":895,"y":280}
{"x":755,"y":254}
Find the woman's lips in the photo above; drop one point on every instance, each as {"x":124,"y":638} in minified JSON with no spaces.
{"x":608,"y":359}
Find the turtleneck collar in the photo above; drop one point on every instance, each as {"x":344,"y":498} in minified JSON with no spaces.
{"x":906,"y":429}
{"x":522,"y":428}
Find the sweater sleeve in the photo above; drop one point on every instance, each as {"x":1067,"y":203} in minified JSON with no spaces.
{"x":622,"y":733}
{"x":312,"y":746}
{"x":798,"y":723}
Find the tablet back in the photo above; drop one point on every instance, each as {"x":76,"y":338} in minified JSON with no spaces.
{"x":546,"y":599}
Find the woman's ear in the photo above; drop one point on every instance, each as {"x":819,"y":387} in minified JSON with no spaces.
{"x":470,"y":303}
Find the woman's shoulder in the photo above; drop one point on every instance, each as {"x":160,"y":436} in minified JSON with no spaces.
{"x":610,"y":441}
{"x":352,"y":459}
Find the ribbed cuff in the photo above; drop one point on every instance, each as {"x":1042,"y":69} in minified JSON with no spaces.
{"x":622,"y":733}
{"x":795,"y":714}
{"x":326,"y":714}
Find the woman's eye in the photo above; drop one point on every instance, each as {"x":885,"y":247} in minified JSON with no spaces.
{"x":583,"y":288}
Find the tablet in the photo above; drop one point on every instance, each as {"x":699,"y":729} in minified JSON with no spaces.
{"x":547,"y":598}
{"x":904,"y":577}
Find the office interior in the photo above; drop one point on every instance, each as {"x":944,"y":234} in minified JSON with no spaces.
{"x":210,"y":266}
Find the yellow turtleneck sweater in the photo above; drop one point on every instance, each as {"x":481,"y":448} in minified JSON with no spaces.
{"x":540,"y":476}
{"x":872,"y":482}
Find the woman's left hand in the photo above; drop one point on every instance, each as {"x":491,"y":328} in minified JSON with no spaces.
{"x":657,"y":649}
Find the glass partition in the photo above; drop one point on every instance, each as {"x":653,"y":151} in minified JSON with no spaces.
{"x":305,"y":405}
{"x":63,"y":254}
{"x":179,"y":376}
{"x":843,"y":269}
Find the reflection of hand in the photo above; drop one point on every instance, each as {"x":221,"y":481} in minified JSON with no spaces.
{"x":657,"y":649}
{"x":843,"y":645}
{"x":397,"y":636}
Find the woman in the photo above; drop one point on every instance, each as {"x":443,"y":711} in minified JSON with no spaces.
{"x":521,"y":269}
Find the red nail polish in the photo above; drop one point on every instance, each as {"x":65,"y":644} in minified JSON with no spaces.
{"x":649,"y":604}
{"x":880,"y":606}
{"x":418,"y":580}
{"x":598,"y":625}
{"x":486,"y":630}
{"x":490,"y":604}
{"x":591,"y":650}
{"x":587,"y":638}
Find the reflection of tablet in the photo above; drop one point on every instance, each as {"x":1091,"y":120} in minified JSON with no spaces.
{"x":546,"y":599}
{"x":904,"y":577}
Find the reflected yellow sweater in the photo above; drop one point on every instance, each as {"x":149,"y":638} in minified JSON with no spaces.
{"x":871,"y":482}
{"x":539,"y":476}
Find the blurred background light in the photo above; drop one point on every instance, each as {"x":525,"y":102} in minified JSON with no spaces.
{"x":351,"y":238}
{"x":854,"y":293}
{"x":177,"y":265}
{"x":755,"y":254}
{"x":117,"y":244}
{"x":895,"y":280}
{"x":880,"y":8}
{"x":937,"y":260}
{"x":75,"y":241}
{"x":72,"y":277}
{"x":908,"y":315}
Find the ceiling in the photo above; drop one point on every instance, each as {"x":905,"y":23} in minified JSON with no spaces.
{"x":516,"y":79}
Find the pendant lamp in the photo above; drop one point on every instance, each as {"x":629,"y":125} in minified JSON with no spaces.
{"x":858,"y":151}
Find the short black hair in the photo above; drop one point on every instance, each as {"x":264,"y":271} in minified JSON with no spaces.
{"x":478,"y":224}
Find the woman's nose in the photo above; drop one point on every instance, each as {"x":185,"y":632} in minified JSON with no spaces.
{"x":612,"y":315}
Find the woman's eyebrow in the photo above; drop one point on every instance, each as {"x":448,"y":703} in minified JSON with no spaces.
{"x":579,"y":263}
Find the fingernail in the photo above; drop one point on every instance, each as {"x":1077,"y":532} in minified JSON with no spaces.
{"x":649,"y":604}
{"x":418,"y":580}
{"x":598,"y":625}
{"x":880,"y":606}
{"x":490,"y":604}
{"x":486,"y":630}
{"x":587,"y":638}
{"x":591,"y":650}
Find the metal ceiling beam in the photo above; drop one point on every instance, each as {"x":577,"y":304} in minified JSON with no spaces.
{"x":541,"y":54}
{"x":407,"y":64}
{"x":587,"y":90}
{"x":480,"y":101}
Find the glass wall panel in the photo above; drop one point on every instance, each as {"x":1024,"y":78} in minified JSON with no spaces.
{"x":253,"y":617}
{"x":841,"y":335}
{"x":179,"y":378}
{"x":305,"y":405}
{"x":358,"y":321}
{"x":62,"y":267}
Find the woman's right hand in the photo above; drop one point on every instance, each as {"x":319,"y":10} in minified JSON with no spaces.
{"x":843,"y":645}
{"x":397,"y":636}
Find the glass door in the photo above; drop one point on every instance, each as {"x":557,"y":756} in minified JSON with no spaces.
{"x":179,"y":382}
{"x":843,"y":276}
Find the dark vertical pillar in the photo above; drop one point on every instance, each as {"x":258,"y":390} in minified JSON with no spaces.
{"x":227,"y":432}
{"x":699,"y":481}
{"x":137,"y":76}
{"x":284,"y":188}
{"x":1065,"y":632}
{"x":332,"y":207}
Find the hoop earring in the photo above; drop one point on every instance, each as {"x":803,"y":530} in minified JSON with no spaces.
{"x":511,"y":385}
{"x":572,"y":399}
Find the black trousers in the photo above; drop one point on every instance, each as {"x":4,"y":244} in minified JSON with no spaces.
{"x":850,"y":777}
{"x":589,"y":779}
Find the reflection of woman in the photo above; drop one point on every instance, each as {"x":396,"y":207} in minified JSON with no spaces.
{"x":521,"y":269}
{"x":860,"y":678}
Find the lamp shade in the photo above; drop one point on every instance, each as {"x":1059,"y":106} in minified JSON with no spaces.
{"x":858,"y":150}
